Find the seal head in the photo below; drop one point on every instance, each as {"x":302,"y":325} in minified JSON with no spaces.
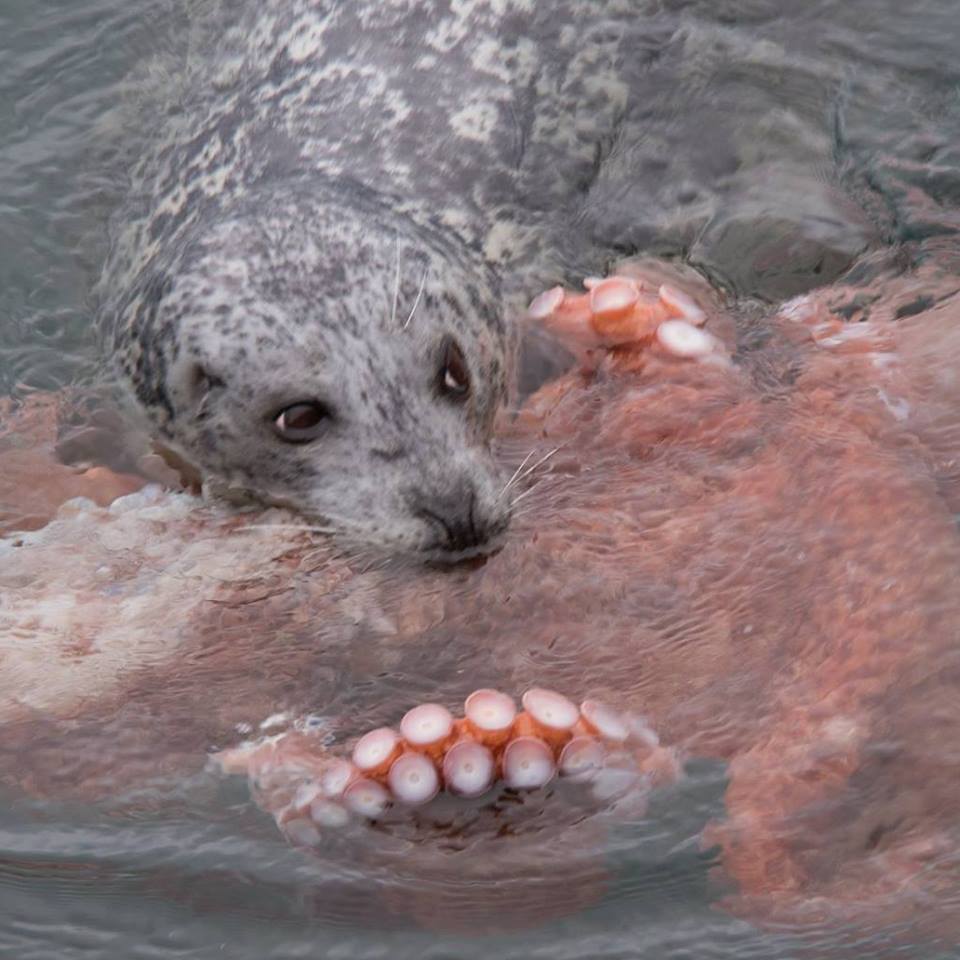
{"x":324,"y":352}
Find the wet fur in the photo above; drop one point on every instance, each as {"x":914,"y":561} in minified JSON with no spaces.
{"x":322,"y":148}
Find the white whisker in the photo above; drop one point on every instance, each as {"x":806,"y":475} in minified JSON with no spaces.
{"x":515,"y":474}
{"x":371,"y":563}
{"x":396,"y":287}
{"x":416,"y":303}
{"x":539,"y":463}
{"x":526,"y":493}
{"x":301,"y":528}
{"x":529,"y":490}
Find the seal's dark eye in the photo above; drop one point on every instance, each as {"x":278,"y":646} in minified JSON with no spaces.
{"x":301,"y":422}
{"x":453,"y":378}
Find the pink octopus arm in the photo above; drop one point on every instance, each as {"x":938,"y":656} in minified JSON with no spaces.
{"x":309,"y":788}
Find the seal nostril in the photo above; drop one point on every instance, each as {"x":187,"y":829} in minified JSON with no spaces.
{"x":456,"y":521}
{"x":435,"y":520}
{"x":472,"y":517}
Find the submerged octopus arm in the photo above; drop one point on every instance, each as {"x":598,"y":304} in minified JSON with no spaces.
{"x":841,"y":809}
{"x":34,"y":481}
{"x":817,"y":825}
{"x":311,"y":789}
{"x":504,"y":812}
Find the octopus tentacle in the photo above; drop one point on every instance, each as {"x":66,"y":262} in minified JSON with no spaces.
{"x":625,"y":314}
{"x":308,"y":788}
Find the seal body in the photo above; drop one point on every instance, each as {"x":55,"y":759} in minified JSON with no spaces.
{"x":327,"y":232}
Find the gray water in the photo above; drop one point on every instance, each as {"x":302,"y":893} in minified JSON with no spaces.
{"x":825,"y":130}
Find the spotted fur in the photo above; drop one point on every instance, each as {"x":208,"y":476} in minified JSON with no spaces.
{"x":322,"y":151}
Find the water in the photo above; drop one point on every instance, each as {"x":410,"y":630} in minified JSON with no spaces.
{"x":825,"y":133}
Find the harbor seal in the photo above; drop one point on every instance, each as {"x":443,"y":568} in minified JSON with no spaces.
{"x":309,"y":288}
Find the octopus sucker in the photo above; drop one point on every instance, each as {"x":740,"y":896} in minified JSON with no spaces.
{"x":601,"y":720}
{"x":622,"y":313}
{"x":434,"y":752}
{"x":366,"y":798}
{"x":413,"y":779}
{"x":303,"y":833}
{"x":528,"y":763}
{"x":546,"y":304}
{"x":336,"y":776}
{"x":682,"y":339}
{"x":374,"y":752}
{"x":328,"y":814}
{"x":469,"y":769}
{"x":553,"y":716}
{"x":682,"y":306}
{"x":428,"y":727}
{"x":613,"y":299}
{"x":581,"y":758}
{"x":489,"y":716}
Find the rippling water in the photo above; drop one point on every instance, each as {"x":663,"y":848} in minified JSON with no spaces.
{"x":786,"y":142}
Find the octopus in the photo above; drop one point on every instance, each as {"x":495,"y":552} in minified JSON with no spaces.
{"x":308,"y":790}
{"x":740,"y":527}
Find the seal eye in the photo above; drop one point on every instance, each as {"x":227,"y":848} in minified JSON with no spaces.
{"x":453,"y":378}
{"x":301,"y":422}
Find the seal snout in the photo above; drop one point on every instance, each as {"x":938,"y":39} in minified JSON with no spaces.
{"x":461,"y":523}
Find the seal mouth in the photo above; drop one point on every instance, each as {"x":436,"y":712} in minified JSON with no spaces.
{"x":441,"y":546}
{"x":485,"y":541}
{"x":458,"y":529}
{"x":468,"y":558}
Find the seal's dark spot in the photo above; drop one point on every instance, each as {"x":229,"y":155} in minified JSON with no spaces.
{"x":389,"y":456}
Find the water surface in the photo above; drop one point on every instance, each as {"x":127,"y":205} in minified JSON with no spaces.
{"x":827,"y":130}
